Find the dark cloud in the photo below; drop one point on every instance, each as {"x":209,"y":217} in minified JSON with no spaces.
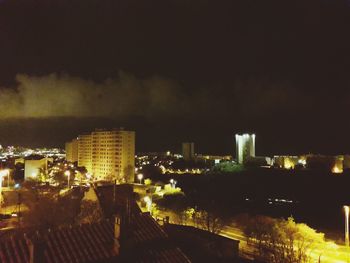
{"x":198,"y":69}
{"x":60,"y":95}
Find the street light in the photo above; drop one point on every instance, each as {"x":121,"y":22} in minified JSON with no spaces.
{"x":67,"y":173}
{"x":173,"y":183}
{"x":140,"y":176}
{"x":1,"y":178}
{"x":346,"y":210}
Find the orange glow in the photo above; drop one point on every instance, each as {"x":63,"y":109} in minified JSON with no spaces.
{"x":336,"y":170}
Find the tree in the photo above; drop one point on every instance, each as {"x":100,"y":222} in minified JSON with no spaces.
{"x":18,"y":173}
{"x":210,"y":221}
{"x":129,"y":174}
{"x":44,"y":175}
{"x":47,"y":211}
{"x":90,"y":212}
{"x":280,"y":240}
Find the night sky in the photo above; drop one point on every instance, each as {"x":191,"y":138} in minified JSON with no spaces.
{"x":178,"y":70}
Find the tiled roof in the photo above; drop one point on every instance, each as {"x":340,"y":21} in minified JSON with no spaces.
{"x":85,"y":243}
{"x":147,"y":242}
{"x":14,"y":250}
{"x":141,"y":240}
{"x":145,"y":229}
{"x":170,"y":255}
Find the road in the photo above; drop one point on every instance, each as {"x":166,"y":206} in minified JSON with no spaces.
{"x":330,"y":253}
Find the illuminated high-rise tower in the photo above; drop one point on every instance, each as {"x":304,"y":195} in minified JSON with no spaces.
{"x":245,"y":147}
{"x":108,"y":154}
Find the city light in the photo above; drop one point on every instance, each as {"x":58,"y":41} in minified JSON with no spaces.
{"x":173,"y":183}
{"x":67,"y":173}
{"x":336,"y":170}
{"x":140,"y":176}
{"x":148,"y":202}
{"x":1,"y":198}
{"x":6,"y":172}
{"x":346,"y":210}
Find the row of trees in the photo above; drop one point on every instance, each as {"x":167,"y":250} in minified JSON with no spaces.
{"x":208,"y":217}
{"x":281,"y":240}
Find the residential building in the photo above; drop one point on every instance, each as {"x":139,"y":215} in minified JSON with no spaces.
{"x":108,"y":154}
{"x":34,"y":165}
{"x":85,"y":151}
{"x":72,"y":150}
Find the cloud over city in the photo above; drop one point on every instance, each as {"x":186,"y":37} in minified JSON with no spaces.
{"x":62,"y":95}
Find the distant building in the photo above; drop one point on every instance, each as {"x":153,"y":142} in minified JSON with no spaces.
{"x":188,"y":151}
{"x":325,"y":163}
{"x":108,"y":154}
{"x":346,"y":162}
{"x":215,"y":158}
{"x":34,"y":165}
{"x":245,"y":147}
{"x":72,"y":151}
{"x":286,"y":162}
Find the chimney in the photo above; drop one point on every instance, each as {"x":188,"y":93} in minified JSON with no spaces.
{"x":36,"y":246}
{"x":166,"y":220}
{"x":117,"y":233}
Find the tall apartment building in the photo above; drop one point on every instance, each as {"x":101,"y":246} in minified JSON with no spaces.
{"x":108,"y":154}
{"x":245,"y":147}
{"x":85,"y":151}
{"x":188,"y":151}
{"x":72,"y":151}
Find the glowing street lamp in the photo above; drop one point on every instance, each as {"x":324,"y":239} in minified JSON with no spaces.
{"x":346,"y":209}
{"x":67,"y":173}
{"x":173,"y":183}
{"x":140,"y":176}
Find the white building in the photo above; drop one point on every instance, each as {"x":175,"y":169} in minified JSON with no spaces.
{"x":245,"y":147}
{"x":34,"y":166}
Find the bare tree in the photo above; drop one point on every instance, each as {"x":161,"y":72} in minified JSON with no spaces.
{"x":129,"y":174}
{"x":90,"y":212}
{"x":209,"y":221}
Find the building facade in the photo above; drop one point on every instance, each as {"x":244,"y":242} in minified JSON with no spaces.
{"x":85,"y":151}
{"x":245,"y":147}
{"x":108,"y":154}
{"x":72,"y":151}
{"x":34,"y":166}
{"x":188,"y":151}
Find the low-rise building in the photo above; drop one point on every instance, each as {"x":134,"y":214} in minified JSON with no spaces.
{"x":34,"y":165}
